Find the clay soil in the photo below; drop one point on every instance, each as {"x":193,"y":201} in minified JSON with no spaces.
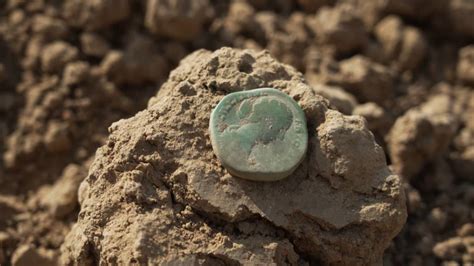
{"x":69,"y":69}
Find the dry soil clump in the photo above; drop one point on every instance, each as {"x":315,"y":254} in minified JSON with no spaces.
{"x":156,"y":192}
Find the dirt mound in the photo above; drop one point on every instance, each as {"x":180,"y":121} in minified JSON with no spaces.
{"x":158,"y":171}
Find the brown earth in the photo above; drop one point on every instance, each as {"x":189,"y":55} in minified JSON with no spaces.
{"x":155,"y":193}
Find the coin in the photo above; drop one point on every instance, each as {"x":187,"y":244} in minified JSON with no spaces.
{"x":259,"y":134}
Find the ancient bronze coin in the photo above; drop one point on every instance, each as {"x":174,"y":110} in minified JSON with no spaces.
{"x":259,"y":134}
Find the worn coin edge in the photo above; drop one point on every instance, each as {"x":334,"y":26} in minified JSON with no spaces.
{"x":255,"y":175}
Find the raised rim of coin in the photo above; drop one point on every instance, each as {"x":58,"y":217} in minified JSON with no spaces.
{"x":298,"y":126}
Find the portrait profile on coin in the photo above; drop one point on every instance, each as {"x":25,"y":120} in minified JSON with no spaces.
{"x":259,"y":134}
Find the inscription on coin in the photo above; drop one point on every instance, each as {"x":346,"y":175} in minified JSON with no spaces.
{"x":259,"y":134}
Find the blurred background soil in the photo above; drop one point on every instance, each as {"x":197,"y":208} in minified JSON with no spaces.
{"x":68,"y":69}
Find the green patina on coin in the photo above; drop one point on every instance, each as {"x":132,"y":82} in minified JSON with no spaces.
{"x":259,"y":134}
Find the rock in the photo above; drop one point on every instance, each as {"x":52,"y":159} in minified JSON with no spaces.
{"x":289,"y":44}
{"x":95,"y":14}
{"x":437,"y":219}
{"x":343,"y":102}
{"x":33,"y":52}
{"x":139,"y":64}
{"x":466,"y":230}
{"x":76,"y":73}
{"x":113,"y":66}
{"x":339,"y":27}
{"x":57,"y":137}
{"x":333,"y":139}
{"x":405,"y":44}
{"x":421,"y":135}
{"x":414,"y":200}
{"x":49,"y":27}
{"x":26,"y":255}
{"x":378,"y":119}
{"x":320,"y":67}
{"x":454,"y":248}
{"x":369,"y":11}
{"x":180,"y":20}
{"x":93,"y":44}
{"x":56,"y":55}
{"x":267,"y":24}
{"x":24,"y":140}
{"x":465,"y":67}
{"x":285,"y":38}
{"x":156,"y":193}
{"x":61,"y":198}
{"x":413,"y":49}
{"x":367,"y":80}
{"x":389,"y":32}
{"x":240,"y":18}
